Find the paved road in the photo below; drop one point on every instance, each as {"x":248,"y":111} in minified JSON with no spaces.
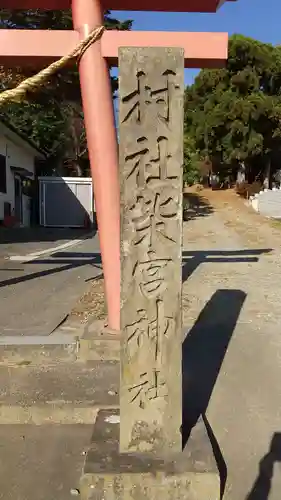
{"x":232,"y":355}
{"x":35,"y":297}
{"x":42,"y":463}
{"x":24,"y":240}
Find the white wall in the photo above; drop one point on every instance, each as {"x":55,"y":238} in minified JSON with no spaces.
{"x":267,"y":203}
{"x":16,"y":156}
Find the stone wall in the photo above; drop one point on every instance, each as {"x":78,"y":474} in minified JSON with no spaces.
{"x":267,"y":202}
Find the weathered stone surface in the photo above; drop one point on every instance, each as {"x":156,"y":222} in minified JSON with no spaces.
{"x":37,"y":354}
{"x":151,"y":156}
{"x":41,"y":463}
{"x":91,"y":385}
{"x":151,"y":486}
{"x":98,"y":343}
{"x":108,"y":474}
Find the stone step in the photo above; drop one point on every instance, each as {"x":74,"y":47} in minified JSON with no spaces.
{"x":93,"y":342}
{"x":60,"y":346}
{"x":98,"y":343}
{"x":60,"y":393}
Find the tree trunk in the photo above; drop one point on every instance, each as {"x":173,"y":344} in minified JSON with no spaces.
{"x":78,"y":169}
{"x":267,"y":175}
{"x":241,"y":174}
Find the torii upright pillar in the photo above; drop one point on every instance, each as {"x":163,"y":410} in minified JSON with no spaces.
{"x":102,"y":147}
{"x":25,"y":47}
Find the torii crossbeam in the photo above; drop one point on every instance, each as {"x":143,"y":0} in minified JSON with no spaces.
{"x":42,"y":47}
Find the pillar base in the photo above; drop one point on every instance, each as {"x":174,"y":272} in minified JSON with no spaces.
{"x":189,"y":475}
{"x":99,"y":343}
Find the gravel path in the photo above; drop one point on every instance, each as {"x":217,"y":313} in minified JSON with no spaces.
{"x":232,"y":352}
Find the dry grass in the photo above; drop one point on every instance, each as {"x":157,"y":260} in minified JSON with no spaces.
{"x":246,"y":223}
{"x":91,"y":304}
{"x":276,"y":223}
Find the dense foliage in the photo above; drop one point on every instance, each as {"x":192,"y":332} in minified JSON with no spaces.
{"x":233,"y":115}
{"x":52,"y":117}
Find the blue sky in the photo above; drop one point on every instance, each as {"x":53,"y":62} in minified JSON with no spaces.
{"x":258,"y":19}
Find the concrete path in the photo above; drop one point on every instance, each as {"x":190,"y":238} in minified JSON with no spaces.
{"x":36,"y":296}
{"x":232,"y":354}
{"x":23,"y":241}
{"x":42,"y":464}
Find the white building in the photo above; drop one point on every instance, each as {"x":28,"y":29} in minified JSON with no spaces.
{"x":17,"y":169}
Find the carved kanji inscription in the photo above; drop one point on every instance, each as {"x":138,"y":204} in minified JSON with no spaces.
{"x":151,"y":215}
{"x":150,"y":386}
{"x":150,"y":167}
{"x":151,"y":157}
{"x":150,"y":333}
{"x":150,"y":275}
{"x":138,"y":102}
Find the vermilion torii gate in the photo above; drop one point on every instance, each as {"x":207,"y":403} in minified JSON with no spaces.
{"x":43,"y":47}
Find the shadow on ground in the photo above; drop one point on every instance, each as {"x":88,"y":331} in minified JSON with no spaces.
{"x":262,"y":486}
{"x":193,"y":259}
{"x":60,"y":261}
{"x":195,"y":206}
{"x":40,"y":234}
{"x":205,"y":345}
{"x":203,"y":352}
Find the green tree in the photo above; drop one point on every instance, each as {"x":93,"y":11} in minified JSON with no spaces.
{"x":234,"y":114}
{"x":53,"y":116}
{"x":191,"y":172}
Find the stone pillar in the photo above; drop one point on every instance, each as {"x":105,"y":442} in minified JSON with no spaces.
{"x":151,"y":86}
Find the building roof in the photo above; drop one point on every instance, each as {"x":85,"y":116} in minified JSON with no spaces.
{"x":14,"y":135}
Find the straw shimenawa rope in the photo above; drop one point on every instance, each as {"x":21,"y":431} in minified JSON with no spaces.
{"x":31,"y":84}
